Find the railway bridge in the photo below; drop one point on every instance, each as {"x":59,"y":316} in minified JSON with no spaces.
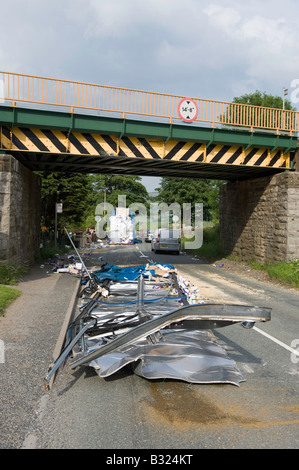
{"x":50,"y":124}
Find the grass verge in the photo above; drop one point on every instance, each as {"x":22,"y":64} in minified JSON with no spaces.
{"x":210,"y":248}
{"x":9,"y":276}
{"x":285,"y":272}
{"x":7,"y":295}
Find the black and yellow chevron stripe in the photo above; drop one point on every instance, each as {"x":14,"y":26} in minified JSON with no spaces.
{"x":76,"y":143}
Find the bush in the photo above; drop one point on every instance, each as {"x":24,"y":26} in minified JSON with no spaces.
{"x":10,"y":274}
{"x":48,"y":251}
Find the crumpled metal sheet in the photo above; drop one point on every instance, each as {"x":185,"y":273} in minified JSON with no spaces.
{"x":150,"y":326}
{"x":192,"y":356}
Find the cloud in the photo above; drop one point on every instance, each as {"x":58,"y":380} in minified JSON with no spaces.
{"x":267,"y":33}
{"x":223,"y":18}
{"x":269,"y":45}
{"x":275,"y":34}
{"x":214,"y":49}
{"x":120,"y":19}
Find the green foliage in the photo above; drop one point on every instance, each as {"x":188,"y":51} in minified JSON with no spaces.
{"x":7,"y":295}
{"x":263,"y":118}
{"x":263,"y":99}
{"x":49,"y":250}
{"x":115,"y":185}
{"x":210,"y":248}
{"x":72,"y":190}
{"x":285,"y":272}
{"x":189,"y":190}
{"x":107,"y":188}
{"x":10,"y":274}
{"x":80,"y":194}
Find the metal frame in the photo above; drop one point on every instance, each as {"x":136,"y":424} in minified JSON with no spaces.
{"x":208,"y":316}
{"x":40,"y":140}
{"x":140,"y":324}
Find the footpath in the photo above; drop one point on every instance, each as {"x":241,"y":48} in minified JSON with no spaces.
{"x":31,"y":334}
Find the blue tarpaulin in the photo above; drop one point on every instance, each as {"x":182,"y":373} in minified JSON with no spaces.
{"x":129,"y":273}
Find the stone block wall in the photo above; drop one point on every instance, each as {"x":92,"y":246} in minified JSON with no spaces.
{"x":19,"y":212}
{"x":259,"y":218}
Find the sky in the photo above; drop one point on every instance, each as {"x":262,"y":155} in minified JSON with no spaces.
{"x":215,"y":49}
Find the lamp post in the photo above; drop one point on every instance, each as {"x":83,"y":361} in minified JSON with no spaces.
{"x":285,"y":92}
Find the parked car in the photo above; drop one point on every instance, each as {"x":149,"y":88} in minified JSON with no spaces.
{"x":165,"y":239}
{"x":148,"y":237}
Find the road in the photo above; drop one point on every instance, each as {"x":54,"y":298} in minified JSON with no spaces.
{"x":128,"y":412}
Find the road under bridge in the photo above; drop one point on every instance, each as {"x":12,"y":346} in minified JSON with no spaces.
{"x":57,"y":125}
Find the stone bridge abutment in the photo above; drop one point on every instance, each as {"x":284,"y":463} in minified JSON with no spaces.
{"x":19,"y":212}
{"x":259,"y":218}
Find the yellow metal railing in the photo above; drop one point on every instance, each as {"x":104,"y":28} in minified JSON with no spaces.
{"x":16,"y":87}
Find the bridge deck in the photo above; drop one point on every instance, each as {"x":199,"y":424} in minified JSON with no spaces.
{"x":71,"y":142}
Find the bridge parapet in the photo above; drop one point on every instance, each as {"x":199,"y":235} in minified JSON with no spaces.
{"x":51,"y":92}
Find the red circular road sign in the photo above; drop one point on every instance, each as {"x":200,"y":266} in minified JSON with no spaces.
{"x":188,"y":110}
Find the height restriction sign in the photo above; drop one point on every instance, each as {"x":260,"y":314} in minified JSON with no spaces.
{"x":188,"y":110}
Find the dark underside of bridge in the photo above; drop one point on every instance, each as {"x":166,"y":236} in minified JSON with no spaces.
{"x":139,"y":166}
{"x":68,"y":142}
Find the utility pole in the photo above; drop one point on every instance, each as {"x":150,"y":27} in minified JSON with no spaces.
{"x":58,"y":210}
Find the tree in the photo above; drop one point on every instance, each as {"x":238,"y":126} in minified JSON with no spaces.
{"x":263,"y":99}
{"x":250,"y":116}
{"x":111,"y":186}
{"x":188,"y":190}
{"x":72,"y":189}
{"x":80,"y":194}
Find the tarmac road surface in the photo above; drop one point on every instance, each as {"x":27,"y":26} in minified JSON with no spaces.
{"x":124,"y":411}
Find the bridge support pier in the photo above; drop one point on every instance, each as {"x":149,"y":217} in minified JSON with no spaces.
{"x":19,"y":212}
{"x":259,"y":218}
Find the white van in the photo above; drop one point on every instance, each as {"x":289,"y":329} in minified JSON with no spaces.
{"x":165,"y":239}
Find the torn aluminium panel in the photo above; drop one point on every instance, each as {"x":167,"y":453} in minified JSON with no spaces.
{"x":150,"y":326}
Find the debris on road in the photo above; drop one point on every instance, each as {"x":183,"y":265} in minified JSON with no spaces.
{"x":147,"y":317}
{"x":121,"y":227}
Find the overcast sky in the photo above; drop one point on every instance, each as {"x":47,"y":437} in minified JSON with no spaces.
{"x":206,"y":49}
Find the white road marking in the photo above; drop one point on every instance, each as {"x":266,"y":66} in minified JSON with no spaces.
{"x":247,"y":369}
{"x":285,"y":346}
{"x":142,"y":255}
{"x":30,"y":440}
